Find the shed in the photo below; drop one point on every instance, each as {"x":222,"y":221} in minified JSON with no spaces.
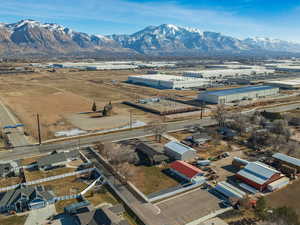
{"x":288,"y":160}
{"x":229,"y":190}
{"x":151,"y":153}
{"x":187,"y":171}
{"x":179,"y":151}
{"x":258,"y":175}
{"x":278,"y":184}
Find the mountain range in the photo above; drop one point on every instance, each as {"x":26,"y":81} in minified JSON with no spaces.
{"x":29,"y":37}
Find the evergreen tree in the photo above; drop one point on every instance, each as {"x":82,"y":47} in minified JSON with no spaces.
{"x":94,"y":107}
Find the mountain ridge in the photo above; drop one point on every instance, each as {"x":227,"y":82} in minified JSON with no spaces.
{"x":33,"y":37}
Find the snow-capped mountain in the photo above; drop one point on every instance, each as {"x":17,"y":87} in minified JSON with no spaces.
{"x":169,"y":37}
{"x":33,"y":37}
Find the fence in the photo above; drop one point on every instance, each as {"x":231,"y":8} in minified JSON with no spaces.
{"x":90,"y":186}
{"x":66,"y":197}
{"x":47,"y":179}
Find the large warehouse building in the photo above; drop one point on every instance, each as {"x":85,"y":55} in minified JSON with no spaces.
{"x":285,"y":84}
{"x":214,"y":74}
{"x":237,"y":94}
{"x":168,"y":81}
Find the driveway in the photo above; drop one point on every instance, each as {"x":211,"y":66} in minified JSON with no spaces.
{"x":40,"y":216}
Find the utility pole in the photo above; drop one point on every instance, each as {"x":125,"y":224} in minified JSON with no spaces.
{"x":39,"y":128}
{"x":202,"y":109}
{"x":130,"y":119}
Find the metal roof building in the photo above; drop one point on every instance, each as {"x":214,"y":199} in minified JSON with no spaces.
{"x":229,"y":190}
{"x":179,"y":151}
{"x":186,"y":170}
{"x":258,"y":175}
{"x":285,"y":159}
{"x":163,"y":81}
{"x":238,"y":94}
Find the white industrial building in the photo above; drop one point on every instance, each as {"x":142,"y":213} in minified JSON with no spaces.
{"x":286,"y":84}
{"x":168,"y":81}
{"x":237,"y":94}
{"x":218,"y":74}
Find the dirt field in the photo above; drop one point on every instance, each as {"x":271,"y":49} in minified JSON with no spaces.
{"x":59,"y":98}
{"x":288,"y":196}
{"x":9,"y":181}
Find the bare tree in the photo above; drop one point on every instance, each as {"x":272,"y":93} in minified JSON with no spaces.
{"x":158,"y":128}
{"x":220,"y":114}
{"x":280,"y":127}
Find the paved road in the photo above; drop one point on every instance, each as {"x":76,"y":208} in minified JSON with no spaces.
{"x":27,"y":151}
{"x":16,"y":135}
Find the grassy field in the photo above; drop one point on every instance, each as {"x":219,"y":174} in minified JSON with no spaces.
{"x":37,"y":174}
{"x":288,"y":196}
{"x":12,"y":220}
{"x":151,"y":179}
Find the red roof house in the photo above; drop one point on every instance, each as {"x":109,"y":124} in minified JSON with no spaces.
{"x":186,"y":170}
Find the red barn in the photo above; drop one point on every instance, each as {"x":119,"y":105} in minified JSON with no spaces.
{"x":258,"y":175}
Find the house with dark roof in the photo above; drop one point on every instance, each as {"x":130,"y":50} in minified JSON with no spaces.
{"x":151,"y":153}
{"x":101,"y":216}
{"x":25,"y":198}
{"x":9,"y":168}
{"x":198,"y":139}
{"x":57,"y":159}
{"x":187,"y":171}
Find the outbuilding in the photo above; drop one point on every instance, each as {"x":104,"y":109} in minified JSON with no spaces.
{"x":179,"y":151}
{"x":229,"y":191}
{"x":283,"y":159}
{"x":187,"y":171}
{"x":258,"y":175}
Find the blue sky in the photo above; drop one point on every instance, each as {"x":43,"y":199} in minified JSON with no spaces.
{"x":239,"y":18}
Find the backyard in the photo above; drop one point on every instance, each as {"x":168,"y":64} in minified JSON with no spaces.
{"x":38,"y":174}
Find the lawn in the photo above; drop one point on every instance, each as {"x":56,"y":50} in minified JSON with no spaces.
{"x":150,"y":179}
{"x":65,"y":186}
{"x":288,"y":196}
{"x":103,"y":196}
{"x":37,"y":174}
{"x":12,"y":220}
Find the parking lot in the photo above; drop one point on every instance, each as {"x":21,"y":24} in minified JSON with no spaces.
{"x":189,"y":206}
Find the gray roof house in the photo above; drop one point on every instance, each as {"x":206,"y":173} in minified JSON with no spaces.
{"x":101,"y":216}
{"x":8,"y":168}
{"x":56,"y":159}
{"x":151,"y":153}
{"x":179,"y":151}
{"x":25,"y":198}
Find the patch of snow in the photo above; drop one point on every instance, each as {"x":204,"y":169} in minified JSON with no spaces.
{"x":69,"y":133}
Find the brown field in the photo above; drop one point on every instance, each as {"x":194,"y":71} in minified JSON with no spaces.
{"x":150,"y":179}
{"x":9,"y":181}
{"x":59,"y":98}
{"x":288,"y":196}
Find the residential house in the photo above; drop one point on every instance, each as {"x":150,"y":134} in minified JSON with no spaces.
{"x":101,"y":216}
{"x":9,"y":168}
{"x":25,"y":198}
{"x":179,"y":151}
{"x":151,"y":153}
{"x":57,"y":159}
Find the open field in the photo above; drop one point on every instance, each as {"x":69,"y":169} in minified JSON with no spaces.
{"x":288,"y":196}
{"x":37,"y":174}
{"x":151,"y":179}
{"x":12,"y":220}
{"x":59,"y":98}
